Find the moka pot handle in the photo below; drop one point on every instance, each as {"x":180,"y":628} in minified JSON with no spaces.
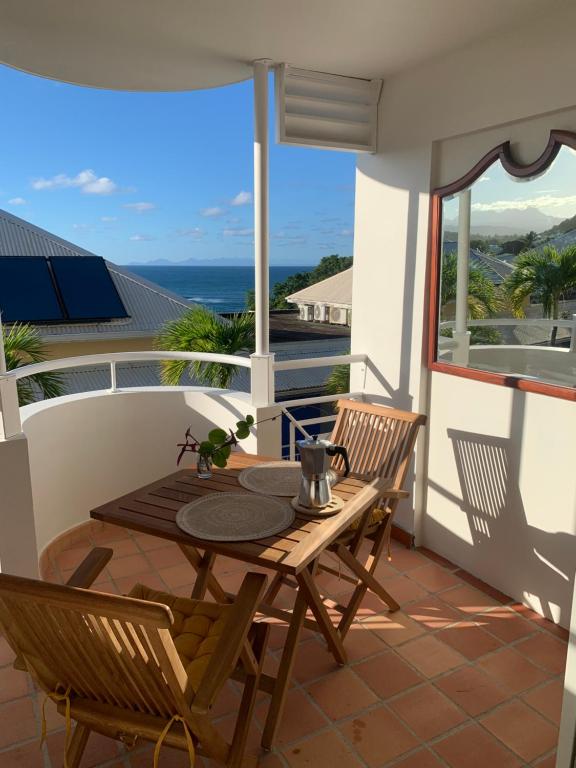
{"x":339,"y":450}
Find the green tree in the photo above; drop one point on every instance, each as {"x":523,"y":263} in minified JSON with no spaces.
{"x":530,"y":239}
{"x":546,"y":275}
{"x":483,"y":299}
{"x":24,"y":346}
{"x":338,"y":381}
{"x":200,"y":330}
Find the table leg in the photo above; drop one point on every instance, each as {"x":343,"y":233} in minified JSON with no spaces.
{"x":203,"y":575}
{"x":314,"y":599}
{"x":284,"y":672}
{"x":204,"y":570}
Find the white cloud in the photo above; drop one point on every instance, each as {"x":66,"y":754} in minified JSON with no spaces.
{"x":108,"y":219}
{"x":86,"y":181}
{"x":242,"y":198}
{"x":212,"y":212}
{"x":141,"y":238}
{"x":17,"y":201}
{"x":80,"y":226}
{"x":346,"y":232}
{"x":140,"y":207}
{"x":195,"y":233}
{"x":542,"y":201}
{"x":483,"y":178}
{"x":238,"y":232}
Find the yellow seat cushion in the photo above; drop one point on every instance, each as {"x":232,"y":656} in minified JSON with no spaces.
{"x":197,"y":628}
{"x":376,"y":517}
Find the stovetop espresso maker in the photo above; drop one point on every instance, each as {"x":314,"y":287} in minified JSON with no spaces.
{"x":317,"y":477}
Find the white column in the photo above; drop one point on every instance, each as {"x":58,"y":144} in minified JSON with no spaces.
{"x":262,"y":380}
{"x":10,"y":424}
{"x":261,"y":193}
{"x":461,"y":333}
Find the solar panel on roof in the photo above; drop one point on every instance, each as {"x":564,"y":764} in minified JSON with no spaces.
{"x":27,"y":292}
{"x":87,"y":289}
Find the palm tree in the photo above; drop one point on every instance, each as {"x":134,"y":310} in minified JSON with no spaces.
{"x":200,"y":330}
{"x":547,"y":275}
{"x":339,"y":380}
{"x":23,"y":346}
{"x":483,"y":299}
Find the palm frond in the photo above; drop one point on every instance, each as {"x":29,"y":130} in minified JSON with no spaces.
{"x":23,"y":345}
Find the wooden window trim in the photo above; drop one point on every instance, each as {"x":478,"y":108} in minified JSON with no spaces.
{"x":502,"y":152}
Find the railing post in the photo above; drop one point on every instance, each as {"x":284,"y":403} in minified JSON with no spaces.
{"x":113,"y":381}
{"x":573,"y":336}
{"x":10,"y":424}
{"x":262,"y":380}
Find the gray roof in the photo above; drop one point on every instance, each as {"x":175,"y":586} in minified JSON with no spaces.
{"x":494,"y":268}
{"x":334,"y":290}
{"x":148,"y":305}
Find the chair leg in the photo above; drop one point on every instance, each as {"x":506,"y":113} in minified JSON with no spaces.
{"x":77,"y":745}
{"x":251,"y":686}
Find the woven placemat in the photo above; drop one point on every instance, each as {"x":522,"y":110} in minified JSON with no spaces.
{"x":234,"y":517}
{"x":275,"y":478}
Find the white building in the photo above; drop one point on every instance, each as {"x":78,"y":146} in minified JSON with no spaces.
{"x":329,"y":301}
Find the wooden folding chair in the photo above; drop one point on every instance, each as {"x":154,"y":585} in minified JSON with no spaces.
{"x":145,"y":667}
{"x":380,"y":442}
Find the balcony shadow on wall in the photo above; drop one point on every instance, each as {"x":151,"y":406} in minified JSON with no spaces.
{"x":534,"y":562}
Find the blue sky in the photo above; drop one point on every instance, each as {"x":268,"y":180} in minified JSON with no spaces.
{"x":136,"y":177}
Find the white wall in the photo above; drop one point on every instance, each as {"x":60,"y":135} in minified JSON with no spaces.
{"x":435,"y":122}
{"x":18,"y":553}
{"x":88,"y":449}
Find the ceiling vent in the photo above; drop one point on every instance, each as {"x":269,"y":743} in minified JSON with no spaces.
{"x":315,"y":109}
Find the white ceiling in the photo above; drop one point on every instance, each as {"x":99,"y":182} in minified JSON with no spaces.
{"x":189,"y":44}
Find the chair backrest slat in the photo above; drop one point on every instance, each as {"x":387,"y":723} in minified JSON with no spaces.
{"x":379,"y":440}
{"x":111,"y":650}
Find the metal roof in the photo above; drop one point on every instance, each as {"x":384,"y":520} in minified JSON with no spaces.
{"x":334,"y":290}
{"x":494,"y":268}
{"x":148,"y":305}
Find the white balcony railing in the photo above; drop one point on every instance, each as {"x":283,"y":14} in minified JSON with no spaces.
{"x":262,"y":367}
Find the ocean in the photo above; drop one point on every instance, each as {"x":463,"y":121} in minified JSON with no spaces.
{"x":222,"y":289}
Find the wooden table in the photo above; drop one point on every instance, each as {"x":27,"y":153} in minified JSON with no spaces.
{"x":293,"y":553}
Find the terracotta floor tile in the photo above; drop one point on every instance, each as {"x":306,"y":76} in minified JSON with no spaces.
{"x":468,"y":599}
{"x":341,"y":694}
{"x":545,"y":651}
{"x":470,"y":641}
{"x":472,"y":747}
{"x":177,"y":575}
{"x":483,"y":586}
{"x":547,"y":700}
{"x":164,"y":557}
{"x":438,"y":559}
{"x":403,"y":589}
{"x":394,"y":628}
{"x":512,"y":670}
{"x":360,"y":643}
{"x":326,"y":748}
{"x":13,"y":684}
{"x":387,"y":674}
{"x":313,"y":660}
{"x":169,"y":758}
{"x":547,"y":762}
{"x":472,"y":689}
{"x":524,"y":731}
{"x":301,"y":718}
{"x":506,"y":624}
{"x":24,"y":756}
{"x":6,"y":653}
{"x":99,"y":749}
{"x":427,"y":712}
{"x":434,"y":578}
{"x":149,"y":579}
{"x":421,"y":759}
{"x":228,"y":701}
{"x":433,"y":613}
{"x":18,"y":722}
{"x":148,"y":543}
{"x":128,"y":566}
{"x":71,"y":558}
{"x":107,"y":534}
{"x":407,"y":560}
{"x":378,"y":736}
{"x":430,"y":656}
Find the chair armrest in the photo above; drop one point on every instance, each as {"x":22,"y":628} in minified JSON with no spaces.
{"x":395,"y":493}
{"x":90,"y":568}
{"x":232,"y":643}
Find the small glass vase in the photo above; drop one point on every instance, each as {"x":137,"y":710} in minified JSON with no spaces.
{"x":204,"y":467}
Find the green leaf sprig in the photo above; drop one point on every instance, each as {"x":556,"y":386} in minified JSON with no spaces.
{"x":219,"y":444}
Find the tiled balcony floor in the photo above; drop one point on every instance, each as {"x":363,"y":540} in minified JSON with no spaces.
{"x":459,"y":677}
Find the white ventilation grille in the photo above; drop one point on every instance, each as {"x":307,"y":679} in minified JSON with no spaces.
{"x":316,"y":109}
